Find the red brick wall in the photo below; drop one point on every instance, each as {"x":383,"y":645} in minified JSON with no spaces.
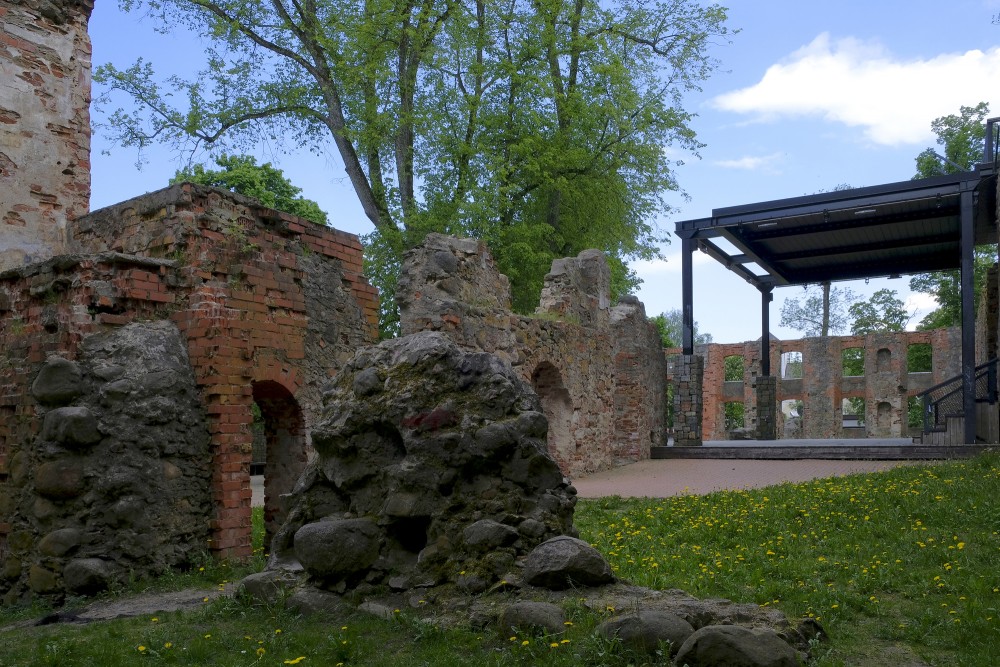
{"x":823,"y":385}
{"x":251,"y":288}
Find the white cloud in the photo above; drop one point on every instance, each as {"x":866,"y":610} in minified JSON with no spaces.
{"x":650,"y":269}
{"x":751,"y":162}
{"x":860,"y":84}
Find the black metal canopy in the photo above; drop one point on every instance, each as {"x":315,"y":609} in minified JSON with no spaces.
{"x":917,"y":226}
{"x":894,"y":229}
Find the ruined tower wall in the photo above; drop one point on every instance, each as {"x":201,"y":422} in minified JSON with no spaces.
{"x":268,"y":306}
{"x":584,"y":358}
{"x":44,"y":125}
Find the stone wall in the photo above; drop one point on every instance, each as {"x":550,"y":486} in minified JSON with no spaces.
{"x":597,"y":369}
{"x":886,"y":385}
{"x":44,"y":125}
{"x":115,"y":483}
{"x":269,"y":307}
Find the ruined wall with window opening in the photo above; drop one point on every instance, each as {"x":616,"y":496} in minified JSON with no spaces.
{"x":811,"y":374}
{"x":598,"y":368}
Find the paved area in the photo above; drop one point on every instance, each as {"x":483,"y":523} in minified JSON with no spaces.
{"x":662,"y":478}
{"x":671,"y":477}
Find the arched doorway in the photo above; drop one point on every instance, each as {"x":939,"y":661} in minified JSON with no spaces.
{"x":283,"y":451}
{"x":558,"y":408}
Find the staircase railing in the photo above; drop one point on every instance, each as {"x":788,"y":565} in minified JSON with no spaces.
{"x":945,"y":400}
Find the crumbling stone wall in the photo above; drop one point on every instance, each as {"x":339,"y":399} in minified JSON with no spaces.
{"x":598,"y":369}
{"x":115,"y":483}
{"x":269,"y":307}
{"x":886,"y":385}
{"x":44,"y":125}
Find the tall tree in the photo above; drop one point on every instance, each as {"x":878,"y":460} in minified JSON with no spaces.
{"x":821,"y":311}
{"x":883,"y":311}
{"x":670,"y":324}
{"x":961,"y":137}
{"x":538,"y":126}
{"x":242,"y":174}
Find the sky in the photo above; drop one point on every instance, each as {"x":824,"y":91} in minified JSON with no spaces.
{"x":807,"y":96}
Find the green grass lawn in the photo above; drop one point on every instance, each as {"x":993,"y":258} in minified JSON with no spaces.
{"x":894,"y":565}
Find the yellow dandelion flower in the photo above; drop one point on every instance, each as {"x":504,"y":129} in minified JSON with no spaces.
{"x":295,"y":661}
{"x":141,"y":648}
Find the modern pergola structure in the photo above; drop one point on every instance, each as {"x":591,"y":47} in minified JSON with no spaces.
{"x":916,"y":226}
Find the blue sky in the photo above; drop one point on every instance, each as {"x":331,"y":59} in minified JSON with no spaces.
{"x":807,"y":96}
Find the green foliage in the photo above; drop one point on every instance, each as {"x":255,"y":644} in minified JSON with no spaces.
{"x":734,"y":412}
{"x":670,"y":325}
{"x":853,"y":360}
{"x":268,"y":185}
{"x":882,"y":312}
{"x":539,"y":127}
{"x":962,"y":137}
{"x":733,"y":368}
{"x":946,"y":287}
{"x":821,"y":311}
{"x":919,"y":358}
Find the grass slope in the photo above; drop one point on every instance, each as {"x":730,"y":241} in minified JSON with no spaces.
{"x":897,"y":566}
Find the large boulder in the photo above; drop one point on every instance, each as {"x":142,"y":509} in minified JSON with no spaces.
{"x":736,"y":646}
{"x":441,"y":453}
{"x":564,"y":562}
{"x":646,"y":630}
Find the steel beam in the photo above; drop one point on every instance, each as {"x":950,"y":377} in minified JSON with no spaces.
{"x":968,"y":317}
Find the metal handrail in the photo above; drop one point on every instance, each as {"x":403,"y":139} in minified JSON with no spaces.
{"x":945,"y":399}
{"x":991,"y":148}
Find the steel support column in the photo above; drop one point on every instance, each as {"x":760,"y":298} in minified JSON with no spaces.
{"x":766,"y":297}
{"x":687,"y":295}
{"x":968,"y":317}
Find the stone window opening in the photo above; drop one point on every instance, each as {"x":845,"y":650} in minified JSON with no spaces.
{"x":733,"y":367}
{"x":735,"y":414}
{"x":919,"y":358}
{"x":914,"y":413}
{"x":852,"y":412}
{"x":791,"y":366}
{"x":853,"y":361}
{"x":283,"y":449}
{"x":558,"y":408}
{"x":791,"y":413}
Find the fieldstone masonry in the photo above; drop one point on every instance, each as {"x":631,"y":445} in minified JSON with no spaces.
{"x":687,"y":374}
{"x":580,"y":354}
{"x":115,"y":482}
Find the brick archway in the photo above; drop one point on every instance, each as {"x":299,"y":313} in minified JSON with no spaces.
{"x":285,"y":451}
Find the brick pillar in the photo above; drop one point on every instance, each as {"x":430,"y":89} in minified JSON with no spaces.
{"x":767,"y":407}
{"x":689,"y":372}
{"x":44,"y":126}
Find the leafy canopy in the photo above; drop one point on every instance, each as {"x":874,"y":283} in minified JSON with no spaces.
{"x":242,"y":174}
{"x":962,"y":138}
{"x":538,"y":126}
{"x":670,"y":325}
{"x":883,"y":311}
{"x":820,"y":311}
